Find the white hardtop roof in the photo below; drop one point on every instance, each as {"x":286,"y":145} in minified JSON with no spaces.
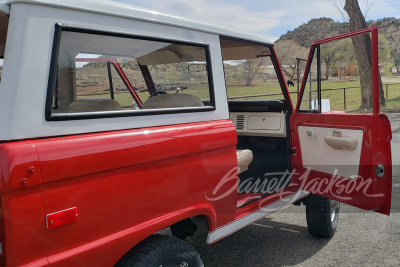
{"x":118,"y":9}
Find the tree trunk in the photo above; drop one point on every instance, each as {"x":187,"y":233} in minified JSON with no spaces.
{"x":327,"y":70}
{"x":287,"y":74}
{"x":363,"y":51}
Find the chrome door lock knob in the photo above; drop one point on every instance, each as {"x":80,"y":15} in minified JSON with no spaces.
{"x":311,"y":134}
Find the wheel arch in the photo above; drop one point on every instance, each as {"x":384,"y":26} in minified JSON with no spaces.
{"x":198,"y":215}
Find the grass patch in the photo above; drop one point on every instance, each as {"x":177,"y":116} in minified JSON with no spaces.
{"x":387,"y":70}
{"x":336,"y":97}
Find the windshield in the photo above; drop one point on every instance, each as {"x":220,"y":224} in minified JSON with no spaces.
{"x":250,"y":73}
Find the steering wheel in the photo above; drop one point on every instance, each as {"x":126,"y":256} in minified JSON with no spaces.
{"x":157,"y":93}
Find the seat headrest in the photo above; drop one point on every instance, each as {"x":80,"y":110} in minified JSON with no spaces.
{"x":93,"y":104}
{"x":172,"y":101}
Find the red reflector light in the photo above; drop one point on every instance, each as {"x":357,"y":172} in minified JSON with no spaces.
{"x":61,"y":218}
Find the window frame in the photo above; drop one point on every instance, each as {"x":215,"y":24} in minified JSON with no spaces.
{"x":53,"y":73}
{"x":314,"y":52}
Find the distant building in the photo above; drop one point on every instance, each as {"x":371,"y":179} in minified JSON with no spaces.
{"x":347,"y":70}
{"x":395,"y":69}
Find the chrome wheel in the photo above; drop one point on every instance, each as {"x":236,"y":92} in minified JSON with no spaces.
{"x":334,"y":213}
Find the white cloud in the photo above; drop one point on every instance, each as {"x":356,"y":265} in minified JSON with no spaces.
{"x":228,"y":15}
{"x":267,"y":17}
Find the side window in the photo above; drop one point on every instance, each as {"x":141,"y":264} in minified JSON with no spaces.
{"x":334,"y":85}
{"x":310,"y":95}
{"x":101,"y":75}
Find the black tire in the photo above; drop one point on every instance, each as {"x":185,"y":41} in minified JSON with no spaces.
{"x":159,"y":250}
{"x":322,"y":216}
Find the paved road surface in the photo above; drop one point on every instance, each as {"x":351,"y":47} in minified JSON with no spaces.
{"x":362,"y":239}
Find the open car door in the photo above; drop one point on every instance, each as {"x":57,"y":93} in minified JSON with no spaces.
{"x":341,"y":156}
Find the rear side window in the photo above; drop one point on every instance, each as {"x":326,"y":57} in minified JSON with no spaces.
{"x":99,"y":74}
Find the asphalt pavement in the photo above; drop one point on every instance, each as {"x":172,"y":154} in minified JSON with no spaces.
{"x":363,"y":238}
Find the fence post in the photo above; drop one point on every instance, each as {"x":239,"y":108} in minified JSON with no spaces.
{"x":387,"y":92}
{"x":344,"y":98}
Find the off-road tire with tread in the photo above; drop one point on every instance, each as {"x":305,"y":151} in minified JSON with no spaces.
{"x":321,"y":221}
{"x":159,"y":250}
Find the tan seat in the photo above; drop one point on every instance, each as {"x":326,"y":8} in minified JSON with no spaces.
{"x":244,"y":158}
{"x":93,"y":104}
{"x":172,"y":101}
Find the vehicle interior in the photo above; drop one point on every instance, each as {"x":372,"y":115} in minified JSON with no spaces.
{"x":260,"y":115}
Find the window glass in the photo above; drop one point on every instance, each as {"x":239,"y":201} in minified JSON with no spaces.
{"x":98,"y":73}
{"x":101,"y":76}
{"x":310,"y":95}
{"x":249,"y":71}
{"x":341,"y":90}
{"x":252,"y":79}
{"x":181,"y":78}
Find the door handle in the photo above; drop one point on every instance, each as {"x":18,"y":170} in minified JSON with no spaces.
{"x":338,"y":142}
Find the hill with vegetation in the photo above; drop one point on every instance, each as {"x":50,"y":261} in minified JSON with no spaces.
{"x":320,"y":28}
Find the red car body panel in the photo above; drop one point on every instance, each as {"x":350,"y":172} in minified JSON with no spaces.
{"x":126,"y":192}
{"x":22,"y":204}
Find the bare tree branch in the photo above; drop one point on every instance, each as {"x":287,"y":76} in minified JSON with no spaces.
{"x":339,"y":6}
{"x":367,"y":8}
{"x":393,"y":6}
{"x":250,"y":68}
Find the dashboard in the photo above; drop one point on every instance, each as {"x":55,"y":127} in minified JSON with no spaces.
{"x":259,"y":123}
{"x":259,"y":118}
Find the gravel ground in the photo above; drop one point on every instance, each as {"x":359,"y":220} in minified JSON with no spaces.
{"x":363,"y":238}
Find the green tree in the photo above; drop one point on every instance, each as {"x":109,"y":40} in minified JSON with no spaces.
{"x":329,"y":52}
{"x":384,"y":48}
{"x":346,"y":53}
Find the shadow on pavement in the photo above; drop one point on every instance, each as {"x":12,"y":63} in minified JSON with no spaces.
{"x":264,"y":243}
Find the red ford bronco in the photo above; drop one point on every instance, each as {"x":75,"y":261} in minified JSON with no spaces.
{"x":117,"y":122}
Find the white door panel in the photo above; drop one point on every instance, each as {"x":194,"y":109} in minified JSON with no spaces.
{"x":329,"y":149}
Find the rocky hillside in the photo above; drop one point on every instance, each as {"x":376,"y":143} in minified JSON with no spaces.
{"x":320,"y":28}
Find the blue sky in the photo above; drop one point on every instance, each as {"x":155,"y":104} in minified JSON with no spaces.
{"x":270,"y":18}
